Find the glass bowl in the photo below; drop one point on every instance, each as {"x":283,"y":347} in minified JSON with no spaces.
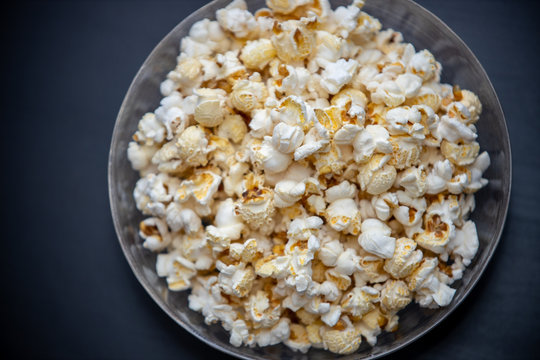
{"x":423,"y":30}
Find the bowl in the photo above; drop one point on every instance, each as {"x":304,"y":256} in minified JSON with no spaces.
{"x":423,"y":30}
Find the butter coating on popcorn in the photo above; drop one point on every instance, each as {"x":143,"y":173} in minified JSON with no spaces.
{"x":306,"y":175}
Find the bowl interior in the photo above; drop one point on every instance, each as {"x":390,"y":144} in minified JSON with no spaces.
{"x":423,"y":30}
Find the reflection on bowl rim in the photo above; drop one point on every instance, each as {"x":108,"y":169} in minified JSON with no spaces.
{"x":185,"y":325}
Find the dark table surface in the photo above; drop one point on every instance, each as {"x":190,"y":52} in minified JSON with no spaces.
{"x":70,"y":292}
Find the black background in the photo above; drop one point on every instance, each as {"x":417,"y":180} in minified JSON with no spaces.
{"x":68,"y":291}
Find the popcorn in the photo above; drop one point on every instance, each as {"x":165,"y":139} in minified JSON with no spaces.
{"x":404,"y":260}
{"x":228,"y":226}
{"x":307,"y":175}
{"x":178,"y":270}
{"x":200,"y":188}
{"x":395,"y":295}
{"x":248,"y":95}
{"x":287,"y":138}
{"x":287,"y":193}
{"x":286,"y":6}
{"x":343,"y":215}
{"x":180,"y":218}
{"x":337,"y":74}
{"x":377,"y":176}
{"x":298,"y":339}
{"x":152,"y":193}
{"x":257,"y":54}
{"x":293,"y":40}
{"x":151,"y":131}
{"x":256,"y":207}
{"x":233,"y":128}
{"x":405,"y":120}
{"x":471,"y":101}
{"x":342,"y":339}
{"x":235,"y":280}
{"x":359,"y":300}
{"x":413,"y":180}
{"x":424,"y":65}
{"x":210,"y":109}
{"x":372,"y":138}
{"x":375,"y":238}
{"x":460,"y":155}
{"x":140,"y":156}
{"x":236,"y":19}
{"x":155,"y":234}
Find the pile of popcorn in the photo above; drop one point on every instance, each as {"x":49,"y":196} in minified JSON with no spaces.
{"x":307,"y":175}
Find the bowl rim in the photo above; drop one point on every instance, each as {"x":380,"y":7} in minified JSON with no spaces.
{"x":159,"y":301}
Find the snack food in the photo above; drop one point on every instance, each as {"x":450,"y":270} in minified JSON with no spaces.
{"x":332,"y":170}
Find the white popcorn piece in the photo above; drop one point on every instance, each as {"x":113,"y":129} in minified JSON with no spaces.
{"x":293,"y":40}
{"x":140,"y":156}
{"x":454,"y":130}
{"x":235,"y":280}
{"x":271,"y":159}
{"x":465,"y":242}
{"x":377,"y":176}
{"x":182,"y":218}
{"x":384,"y":205}
{"x":424,"y":65}
{"x":286,"y":138}
{"x":178,"y":270}
{"x":471,"y":101}
{"x":404,"y":260}
{"x":287,"y":193}
{"x":298,"y":340}
{"x":430,"y":291}
{"x":236,"y":19}
{"x":256,"y":206}
{"x":200,"y":187}
{"x":228,"y":226}
{"x":261,"y":123}
{"x":405,"y":120}
{"x":150,"y":130}
{"x":248,"y":95}
{"x":375,"y":238}
{"x":387,"y":92}
{"x":343,"y":215}
{"x":332,"y":316}
{"x":239,"y":333}
{"x":329,"y":48}
{"x":276,"y":334}
{"x":409,"y":84}
{"x":437,"y":233}
{"x":359,"y":301}
{"x":286,"y":6}
{"x":344,"y":338}
{"x":372,"y":138}
{"x":153,"y":192}
{"x":295,"y":80}
{"x":395,"y":295}
{"x":210,"y":110}
{"x":479,"y":166}
{"x":337,"y":74}
{"x":413,"y":180}
{"x":257,"y":54}
{"x":233,"y":128}
{"x":460,"y":154}
{"x":155,"y":234}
